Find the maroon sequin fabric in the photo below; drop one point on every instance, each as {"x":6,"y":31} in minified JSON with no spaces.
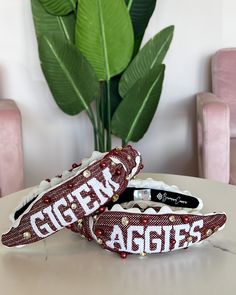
{"x":149,"y":233}
{"x":75,"y":198}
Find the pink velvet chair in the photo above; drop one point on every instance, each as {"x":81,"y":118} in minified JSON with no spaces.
{"x":216,"y":116}
{"x":11,"y":156}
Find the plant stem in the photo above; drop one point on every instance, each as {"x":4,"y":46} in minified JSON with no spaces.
{"x":99,"y":105}
{"x":100,"y":145}
{"x":102,"y":114}
{"x":108,"y":145}
{"x":95,"y":140}
{"x":123,"y":142}
{"x":95,"y":130}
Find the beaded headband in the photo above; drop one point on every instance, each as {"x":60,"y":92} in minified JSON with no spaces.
{"x":146,"y":223}
{"x":59,"y":202}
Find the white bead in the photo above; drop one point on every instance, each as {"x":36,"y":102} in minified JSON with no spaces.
{"x":143,"y":254}
{"x":73,"y":206}
{"x":125,"y":221}
{"x":115,"y":198}
{"x":189,"y":239}
{"x":172,"y":218}
{"x":86,"y":173}
{"x":99,"y":241}
{"x":209,"y":232}
{"x":80,"y":223}
{"x":26,"y":235}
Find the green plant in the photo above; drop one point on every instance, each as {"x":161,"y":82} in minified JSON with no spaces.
{"x":90,"y":52}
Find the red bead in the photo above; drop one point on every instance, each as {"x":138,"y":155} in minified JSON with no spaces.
{"x":47,"y":200}
{"x":98,"y":232}
{"x":75,"y":165}
{"x":172,"y":242}
{"x":123,"y":255}
{"x":101,"y":209}
{"x":89,"y":239}
{"x":141,"y":166}
{"x":69,"y":226}
{"x":93,"y":195}
{"x":118,"y":172}
{"x":69,"y":185}
{"x":185,"y":219}
{"x":103,"y":164}
{"x":144,"y":221}
{"x":48,"y":180}
{"x":129,"y":146}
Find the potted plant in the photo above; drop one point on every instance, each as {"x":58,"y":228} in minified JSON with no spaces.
{"x":90,"y":55}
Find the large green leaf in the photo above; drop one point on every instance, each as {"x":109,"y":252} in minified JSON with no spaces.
{"x":140,"y":12}
{"x":104,"y":34}
{"x":71,"y":79}
{"x":59,"y":7}
{"x":44,"y":22}
{"x":150,"y":55}
{"x":133,"y":116}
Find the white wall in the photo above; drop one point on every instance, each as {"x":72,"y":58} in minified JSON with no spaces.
{"x":53,"y":140}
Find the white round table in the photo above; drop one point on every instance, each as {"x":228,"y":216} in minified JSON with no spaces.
{"x":66,"y":264}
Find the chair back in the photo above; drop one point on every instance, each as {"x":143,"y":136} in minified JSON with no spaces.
{"x":224,"y":81}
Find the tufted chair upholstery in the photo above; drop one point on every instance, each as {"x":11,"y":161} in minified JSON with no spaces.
{"x":216,"y":121}
{"x":11,"y":155}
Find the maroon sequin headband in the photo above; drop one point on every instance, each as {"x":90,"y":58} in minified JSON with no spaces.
{"x":59,"y":202}
{"x":150,"y":217}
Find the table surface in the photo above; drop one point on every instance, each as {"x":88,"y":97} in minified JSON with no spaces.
{"x":65,"y":263}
